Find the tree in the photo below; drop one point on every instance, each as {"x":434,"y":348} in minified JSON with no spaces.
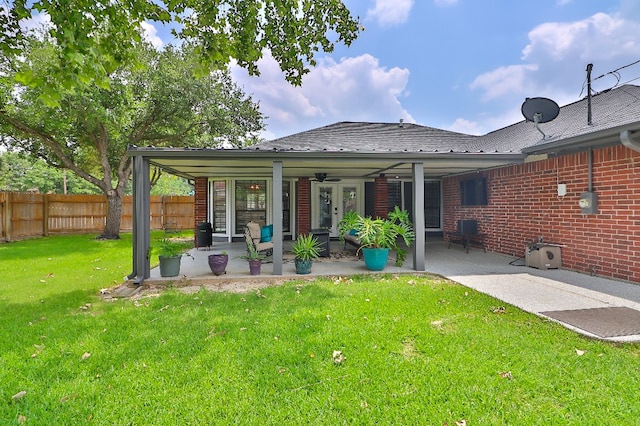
{"x":20,"y":172}
{"x":171,"y":185}
{"x":96,"y":37}
{"x":158,"y":104}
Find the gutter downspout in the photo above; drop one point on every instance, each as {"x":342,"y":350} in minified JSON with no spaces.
{"x":628,"y":141}
{"x":590,"y":165}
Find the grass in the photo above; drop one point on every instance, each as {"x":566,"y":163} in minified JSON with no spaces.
{"x":417,"y":350}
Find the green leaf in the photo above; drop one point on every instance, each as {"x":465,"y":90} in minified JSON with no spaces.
{"x":25,"y":77}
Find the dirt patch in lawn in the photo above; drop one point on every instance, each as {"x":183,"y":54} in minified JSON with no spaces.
{"x":234,"y":285}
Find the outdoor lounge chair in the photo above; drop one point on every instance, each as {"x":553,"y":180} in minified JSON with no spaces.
{"x":252,"y":235}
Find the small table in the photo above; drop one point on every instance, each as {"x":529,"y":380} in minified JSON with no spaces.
{"x":322,"y":235}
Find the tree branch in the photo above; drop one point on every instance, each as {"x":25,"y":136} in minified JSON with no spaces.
{"x":51,"y":143}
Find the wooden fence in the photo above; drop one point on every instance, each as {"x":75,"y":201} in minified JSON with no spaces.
{"x":25,"y":215}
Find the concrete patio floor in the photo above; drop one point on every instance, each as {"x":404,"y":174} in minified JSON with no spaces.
{"x":503,"y":277}
{"x":343,"y":261}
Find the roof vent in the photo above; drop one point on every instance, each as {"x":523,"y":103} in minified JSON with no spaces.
{"x":401,"y":123}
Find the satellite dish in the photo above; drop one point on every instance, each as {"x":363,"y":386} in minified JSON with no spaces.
{"x":540,"y":110}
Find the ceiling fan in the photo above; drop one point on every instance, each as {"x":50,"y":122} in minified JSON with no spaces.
{"x":322,"y":177}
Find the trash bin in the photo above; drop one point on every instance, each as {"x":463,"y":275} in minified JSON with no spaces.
{"x":204,"y":235}
{"x":322,"y":235}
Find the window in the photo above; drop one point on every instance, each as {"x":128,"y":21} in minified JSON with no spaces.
{"x":251,"y":203}
{"x":219,"y":207}
{"x":473,"y":192}
{"x":394,"y":194}
{"x":432,"y":207}
{"x":432,"y":203}
{"x":286,"y":206}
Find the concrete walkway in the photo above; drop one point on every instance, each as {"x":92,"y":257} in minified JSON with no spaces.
{"x":505,"y":278}
{"x":533,"y":290}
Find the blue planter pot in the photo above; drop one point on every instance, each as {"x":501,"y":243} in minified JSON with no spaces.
{"x":303,"y":266}
{"x":375,"y":259}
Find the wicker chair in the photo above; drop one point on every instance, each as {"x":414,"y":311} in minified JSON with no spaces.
{"x":252,"y":237}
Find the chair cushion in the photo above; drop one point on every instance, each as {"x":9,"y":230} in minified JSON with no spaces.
{"x":266,"y":233}
{"x":254,"y":230}
{"x":352,"y":238}
{"x":264,"y":246}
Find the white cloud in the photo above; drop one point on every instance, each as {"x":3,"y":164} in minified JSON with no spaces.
{"x":462,"y":125}
{"x":37,"y":21}
{"x":599,"y":36}
{"x":556,"y":57}
{"x":150,"y":33}
{"x":505,"y":80}
{"x":390,"y":12}
{"x":353,"y":89}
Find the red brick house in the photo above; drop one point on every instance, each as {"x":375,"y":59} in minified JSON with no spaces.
{"x":520,"y":183}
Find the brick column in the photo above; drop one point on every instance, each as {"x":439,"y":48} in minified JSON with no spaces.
{"x":380,"y":197}
{"x":303,"y":203}
{"x":199,"y":203}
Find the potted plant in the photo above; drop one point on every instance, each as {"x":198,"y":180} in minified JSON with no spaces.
{"x":255,"y":258}
{"x":347,"y":231}
{"x":378,"y":236}
{"x":169,"y":255}
{"x":218,"y":263}
{"x":305,"y":248}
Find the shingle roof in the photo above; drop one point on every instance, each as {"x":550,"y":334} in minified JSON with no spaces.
{"x":610,"y":109}
{"x":372,"y":137}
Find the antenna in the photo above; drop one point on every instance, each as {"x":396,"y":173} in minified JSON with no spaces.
{"x":589,"y":68}
{"x":540,"y":110}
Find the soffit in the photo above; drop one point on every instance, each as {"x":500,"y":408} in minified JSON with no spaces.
{"x":249,"y":164}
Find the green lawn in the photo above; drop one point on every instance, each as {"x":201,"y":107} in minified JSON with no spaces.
{"x":415,"y":351}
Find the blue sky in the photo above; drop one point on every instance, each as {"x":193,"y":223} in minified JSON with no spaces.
{"x":462,"y":65}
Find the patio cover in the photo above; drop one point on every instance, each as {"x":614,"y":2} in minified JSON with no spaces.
{"x":279,"y":164}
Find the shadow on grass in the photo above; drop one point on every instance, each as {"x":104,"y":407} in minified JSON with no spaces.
{"x":58,"y":246}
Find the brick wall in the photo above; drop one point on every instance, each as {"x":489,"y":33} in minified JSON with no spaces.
{"x":524,"y":204}
{"x":200,"y":202}
{"x":380,"y":197}
{"x":303,"y":208}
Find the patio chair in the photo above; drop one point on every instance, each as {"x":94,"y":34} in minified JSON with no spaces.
{"x":466,"y":233}
{"x":252,"y":235}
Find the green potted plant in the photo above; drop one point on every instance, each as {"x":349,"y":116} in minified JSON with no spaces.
{"x":347,"y":231}
{"x":305,"y":248}
{"x":255,"y":258}
{"x":218,"y":263}
{"x":378,"y":236}
{"x":169,"y":256}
